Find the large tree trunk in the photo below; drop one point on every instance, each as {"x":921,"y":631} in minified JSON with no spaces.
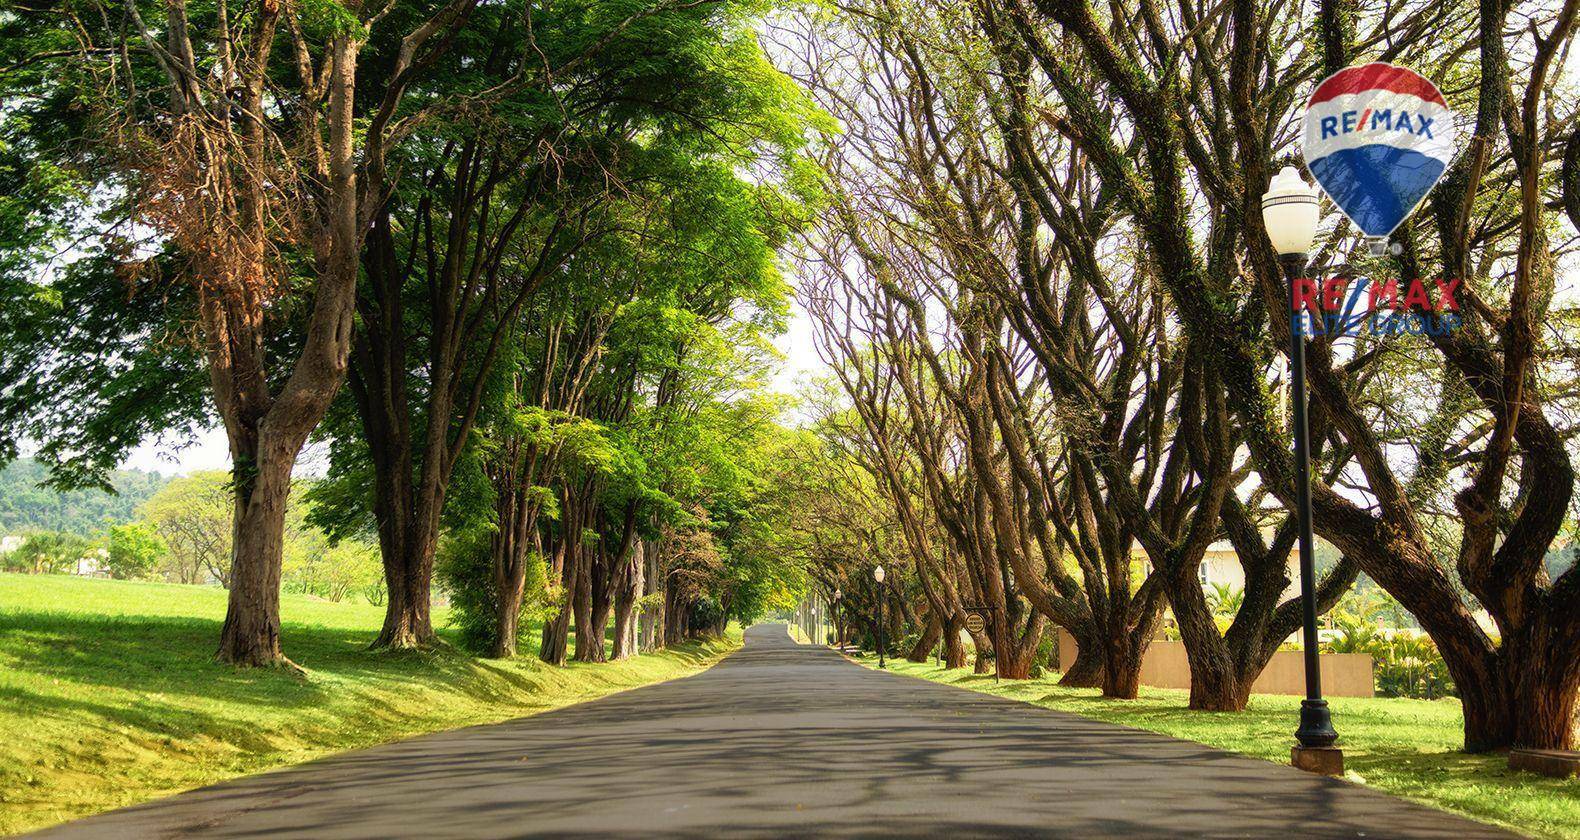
{"x":510,"y":576}
{"x":1214,"y":680}
{"x":404,"y":509}
{"x":984,"y":652}
{"x":251,"y":634}
{"x":1524,"y":697}
{"x":266,"y":431}
{"x":1014,"y":663}
{"x":506,"y":623}
{"x":602,"y":605}
{"x":1122,"y":666}
{"x":651,"y":621}
{"x":1215,"y":685}
{"x":677,"y":616}
{"x":628,"y":587}
{"x":591,"y":601}
{"x":589,"y":638}
{"x":552,"y":646}
{"x":555,"y":637}
{"x":1543,"y":707}
{"x":625,"y":644}
{"x":1015,"y":653}
{"x":1087,"y":669}
{"x":513,"y":548}
{"x":408,"y":621}
{"x":923,"y":649}
{"x":954,"y":648}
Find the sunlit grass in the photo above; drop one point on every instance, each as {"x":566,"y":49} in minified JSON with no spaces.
{"x":109,"y":694}
{"x":1408,"y":748}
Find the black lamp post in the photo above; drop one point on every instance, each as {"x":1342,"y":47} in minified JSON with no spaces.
{"x":883,"y":615}
{"x":1289,"y":210}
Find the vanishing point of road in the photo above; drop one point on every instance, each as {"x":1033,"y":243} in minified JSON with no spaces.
{"x":784,"y":740}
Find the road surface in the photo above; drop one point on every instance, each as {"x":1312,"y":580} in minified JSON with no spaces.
{"x":782,"y":740}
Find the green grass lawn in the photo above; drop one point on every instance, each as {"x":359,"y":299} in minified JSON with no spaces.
{"x":1406,"y":747}
{"x":109,"y":694}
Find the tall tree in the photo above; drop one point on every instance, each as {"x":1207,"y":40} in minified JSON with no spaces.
{"x":1215,"y":133}
{"x":237,"y":138}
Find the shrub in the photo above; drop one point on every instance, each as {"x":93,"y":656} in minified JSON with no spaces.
{"x":1406,"y":665}
{"x":1412,"y":667}
{"x":465,"y":569}
{"x":48,"y":552}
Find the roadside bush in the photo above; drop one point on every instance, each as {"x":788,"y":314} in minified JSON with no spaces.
{"x":464,"y":568}
{"x":1405,"y":665}
{"x":707,"y":616}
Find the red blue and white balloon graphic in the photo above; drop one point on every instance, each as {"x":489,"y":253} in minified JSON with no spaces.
{"x":1377,"y":138}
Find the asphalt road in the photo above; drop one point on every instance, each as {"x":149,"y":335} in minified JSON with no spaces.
{"x":782,"y":740}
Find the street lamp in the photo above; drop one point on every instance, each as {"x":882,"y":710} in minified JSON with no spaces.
{"x":883,"y":613}
{"x":1289,"y":211}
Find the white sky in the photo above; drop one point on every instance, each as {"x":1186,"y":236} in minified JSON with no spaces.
{"x":181,"y":455}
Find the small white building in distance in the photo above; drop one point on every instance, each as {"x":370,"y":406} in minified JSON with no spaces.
{"x":92,"y":563}
{"x":1220,"y":566}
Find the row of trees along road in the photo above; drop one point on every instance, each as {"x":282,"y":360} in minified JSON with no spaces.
{"x":535,"y":241}
{"x":1053,"y":316}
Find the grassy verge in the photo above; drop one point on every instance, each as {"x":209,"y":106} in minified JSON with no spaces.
{"x":1405,"y":747}
{"x":109,"y":694}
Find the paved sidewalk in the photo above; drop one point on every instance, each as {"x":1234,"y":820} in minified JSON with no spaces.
{"x":782,"y":740}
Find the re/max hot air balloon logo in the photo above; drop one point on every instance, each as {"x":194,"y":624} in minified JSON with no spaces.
{"x":1377,"y":138}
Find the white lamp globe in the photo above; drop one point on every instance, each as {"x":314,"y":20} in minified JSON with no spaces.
{"x":877,"y":573}
{"x":1289,"y":210}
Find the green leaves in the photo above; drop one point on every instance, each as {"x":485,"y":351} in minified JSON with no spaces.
{"x":132,"y":550}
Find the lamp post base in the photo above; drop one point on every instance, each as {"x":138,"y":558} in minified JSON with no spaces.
{"x":1316,"y":724}
{"x":1328,"y":761}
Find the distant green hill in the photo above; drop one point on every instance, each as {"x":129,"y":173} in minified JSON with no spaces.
{"x":25,"y":506}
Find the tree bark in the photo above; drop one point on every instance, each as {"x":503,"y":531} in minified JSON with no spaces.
{"x":251,"y":633}
{"x":1526,"y":696}
{"x":408,"y":620}
{"x":923,"y":649}
{"x":589,"y":638}
{"x":555,"y":637}
{"x":1087,"y":671}
{"x":984,"y":652}
{"x":552,"y":647}
{"x":1122,"y":666}
{"x":677,"y":617}
{"x":514,"y":546}
{"x":954,"y":648}
{"x":628,"y":588}
{"x":506,"y":623}
{"x":651,"y":621}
